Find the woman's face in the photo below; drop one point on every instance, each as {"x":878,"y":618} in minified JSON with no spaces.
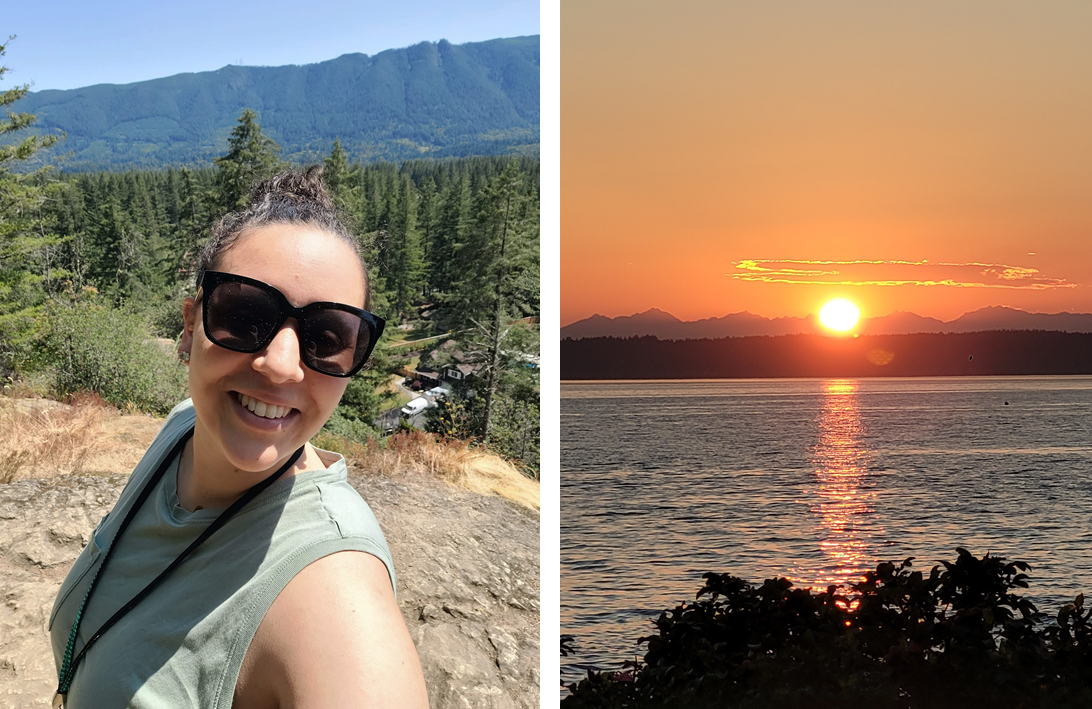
{"x":307,"y":265}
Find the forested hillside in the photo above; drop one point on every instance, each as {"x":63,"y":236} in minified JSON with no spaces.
{"x":988,"y":353}
{"x":428,"y":100}
{"x":94,"y":266}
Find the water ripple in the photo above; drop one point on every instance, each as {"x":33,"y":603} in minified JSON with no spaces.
{"x":814,"y":480}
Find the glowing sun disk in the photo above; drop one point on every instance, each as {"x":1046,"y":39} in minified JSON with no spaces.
{"x":839,"y":314}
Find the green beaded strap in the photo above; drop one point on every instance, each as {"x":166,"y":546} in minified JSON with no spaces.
{"x":68,"y":666}
{"x":68,"y":669}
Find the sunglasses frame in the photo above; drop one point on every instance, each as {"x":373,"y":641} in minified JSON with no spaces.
{"x":207,"y":281}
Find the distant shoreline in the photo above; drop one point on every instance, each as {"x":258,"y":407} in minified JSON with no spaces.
{"x":712,"y":380}
{"x":989,"y":353}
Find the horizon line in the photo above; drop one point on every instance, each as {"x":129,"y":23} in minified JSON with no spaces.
{"x":814,"y":315}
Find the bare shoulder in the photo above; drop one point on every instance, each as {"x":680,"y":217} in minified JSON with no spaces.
{"x":333,"y":637}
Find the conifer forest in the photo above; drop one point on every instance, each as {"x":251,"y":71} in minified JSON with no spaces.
{"x":94,"y":267}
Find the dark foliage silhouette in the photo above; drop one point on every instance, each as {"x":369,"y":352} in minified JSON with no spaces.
{"x":959,"y":636}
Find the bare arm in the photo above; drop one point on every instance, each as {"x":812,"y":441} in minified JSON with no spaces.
{"x":333,"y":637}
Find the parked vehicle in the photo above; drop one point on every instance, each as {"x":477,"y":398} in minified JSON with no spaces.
{"x":415,"y":406}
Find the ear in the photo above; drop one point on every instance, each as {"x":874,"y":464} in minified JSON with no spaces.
{"x":189,"y":318}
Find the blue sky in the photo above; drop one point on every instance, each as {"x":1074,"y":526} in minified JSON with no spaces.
{"x":68,"y":43}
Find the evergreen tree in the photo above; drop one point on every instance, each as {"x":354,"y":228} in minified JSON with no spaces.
{"x":69,"y":219}
{"x":193,"y":227}
{"x":461,"y":233}
{"x":448,"y":236}
{"x":336,"y":174}
{"x":500,"y":252}
{"x":342,"y":181}
{"x":426,"y":221}
{"x":24,"y":235}
{"x":405,"y":264}
{"x":170,"y":198}
{"x":108,"y":257}
{"x":251,"y":156}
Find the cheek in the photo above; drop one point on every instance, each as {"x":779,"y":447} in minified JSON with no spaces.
{"x":329,"y":393}
{"x":209,"y":363}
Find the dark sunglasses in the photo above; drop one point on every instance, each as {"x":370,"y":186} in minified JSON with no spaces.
{"x":244,"y":315}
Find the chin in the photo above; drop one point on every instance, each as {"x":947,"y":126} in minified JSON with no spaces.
{"x":253,"y":445}
{"x":256,"y":461}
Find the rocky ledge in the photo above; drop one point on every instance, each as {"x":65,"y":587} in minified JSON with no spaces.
{"x":468,"y":583}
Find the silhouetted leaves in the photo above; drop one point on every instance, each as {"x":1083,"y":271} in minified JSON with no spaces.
{"x":959,"y":636}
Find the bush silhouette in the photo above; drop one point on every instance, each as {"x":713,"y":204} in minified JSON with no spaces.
{"x":958,"y":637}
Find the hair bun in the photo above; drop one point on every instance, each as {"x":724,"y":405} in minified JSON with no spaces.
{"x":292,"y":197}
{"x":306,"y":186}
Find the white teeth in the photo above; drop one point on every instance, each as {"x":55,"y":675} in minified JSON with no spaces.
{"x":263,"y":409}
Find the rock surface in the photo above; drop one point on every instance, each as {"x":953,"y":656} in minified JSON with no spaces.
{"x":468,"y":580}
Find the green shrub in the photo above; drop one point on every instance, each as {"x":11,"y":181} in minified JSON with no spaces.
{"x":454,"y":417}
{"x":20,"y":332}
{"x":95,"y":347}
{"x":958,"y":637}
{"x":164,"y":317}
{"x":353,"y":429}
{"x":516,"y":433}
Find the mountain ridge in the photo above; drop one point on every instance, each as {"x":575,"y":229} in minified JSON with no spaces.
{"x":432,"y":99}
{"x":746,"y":324}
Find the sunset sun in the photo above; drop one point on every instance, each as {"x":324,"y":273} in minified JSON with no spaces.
{"x":839,"y":314}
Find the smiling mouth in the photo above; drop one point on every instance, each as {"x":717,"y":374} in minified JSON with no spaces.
{"x":260,"y":408}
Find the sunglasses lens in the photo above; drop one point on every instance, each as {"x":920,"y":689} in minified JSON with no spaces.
{"x":241,"y":316}
{"x":335,"y":341}
{"x":245,"y":317}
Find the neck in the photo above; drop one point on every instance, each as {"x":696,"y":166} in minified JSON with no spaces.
{"x":207,"y":481}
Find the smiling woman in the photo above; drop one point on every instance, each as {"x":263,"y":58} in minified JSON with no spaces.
{"x":199,"y":588}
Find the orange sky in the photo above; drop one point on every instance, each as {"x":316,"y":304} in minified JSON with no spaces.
{"x":712,"y":151}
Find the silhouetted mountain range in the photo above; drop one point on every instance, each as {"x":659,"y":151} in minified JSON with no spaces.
{"x":666,"y":326}
{"x":428,"y":100}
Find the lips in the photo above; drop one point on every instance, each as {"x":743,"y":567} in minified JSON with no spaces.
{"x":256,"y":420}
{"x":262,"y":408}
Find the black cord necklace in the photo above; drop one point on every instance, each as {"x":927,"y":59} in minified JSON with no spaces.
{"x":68,"y":666}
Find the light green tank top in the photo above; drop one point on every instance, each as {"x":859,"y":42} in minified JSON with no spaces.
{"x":183,"y":645}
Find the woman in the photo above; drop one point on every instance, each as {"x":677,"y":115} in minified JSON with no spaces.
{"x":229,"y":573}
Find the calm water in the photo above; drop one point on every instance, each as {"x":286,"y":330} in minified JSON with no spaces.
{"x":816,"y":480}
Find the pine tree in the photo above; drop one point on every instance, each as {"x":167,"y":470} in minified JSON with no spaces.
{"x":426,"y":223}
{"x":193,"y":226}
{"x":342,"y":180}
{"x":336,"y":174}
{"x":109,"y":248}
{"x":24,"y":234}
{"x":502,"y":246}
{"x":498,"y":221}
{"x":69,"y":220}
{"x":404,"y":260}
{"x":251,"y":156}
{"x":448,"y":237}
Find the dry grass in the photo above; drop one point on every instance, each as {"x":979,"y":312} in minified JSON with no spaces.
{"x":40,"y":438}
{"x":416,"y":454}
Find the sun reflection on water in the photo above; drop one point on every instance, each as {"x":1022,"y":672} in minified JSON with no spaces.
{"x":844,"y":505}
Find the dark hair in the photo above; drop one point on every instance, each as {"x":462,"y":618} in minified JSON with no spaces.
{"x":291,"y":197}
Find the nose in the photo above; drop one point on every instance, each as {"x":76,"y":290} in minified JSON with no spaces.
{"x":280,"y":361}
